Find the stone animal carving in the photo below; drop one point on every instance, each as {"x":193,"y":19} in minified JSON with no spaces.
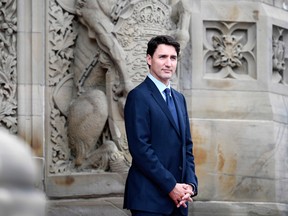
{"x":88,"y":113}
{"x":86,"y":120}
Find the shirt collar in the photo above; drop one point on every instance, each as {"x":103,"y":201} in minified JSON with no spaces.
{"x":161,"y":86}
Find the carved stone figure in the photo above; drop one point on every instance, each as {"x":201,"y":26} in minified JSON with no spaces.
{"x":278,"y":59}
{"x":96,"y":17}
{"x":88,"y":113}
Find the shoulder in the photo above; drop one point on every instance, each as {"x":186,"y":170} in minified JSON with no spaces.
{"x":139,"y":96}
{"x":138,"y":90}
{"x":137,"y":101}
{"x":144,"y":88}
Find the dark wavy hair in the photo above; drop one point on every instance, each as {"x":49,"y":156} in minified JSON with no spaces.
{"x":162,"y":39}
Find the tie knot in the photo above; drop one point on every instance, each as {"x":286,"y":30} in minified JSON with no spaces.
{"x":167,"y":91}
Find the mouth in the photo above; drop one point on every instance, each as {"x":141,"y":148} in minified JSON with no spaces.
{"x":167,"y":71}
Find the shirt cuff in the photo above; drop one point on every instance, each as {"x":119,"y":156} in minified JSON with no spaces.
{"x":194,"y":189}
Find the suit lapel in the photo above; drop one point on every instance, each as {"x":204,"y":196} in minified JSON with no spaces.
{"x":161,"y":102}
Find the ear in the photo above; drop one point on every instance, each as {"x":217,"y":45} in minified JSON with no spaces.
{"x":148,"y":59}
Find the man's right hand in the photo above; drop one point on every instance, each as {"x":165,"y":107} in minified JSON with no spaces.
{"x":181,"y":194}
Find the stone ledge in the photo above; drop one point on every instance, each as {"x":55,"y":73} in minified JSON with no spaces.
{"x":86,"y":207}
{"x":84,"y":185}
{"x":113,"y":207}
{"x":200,"y":208}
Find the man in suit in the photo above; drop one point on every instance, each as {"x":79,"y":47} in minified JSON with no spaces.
{"x":162,"y":178}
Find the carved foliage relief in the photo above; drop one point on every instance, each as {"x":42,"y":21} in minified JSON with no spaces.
{"x":8,"y":75}
{"x":95,"y":53}
{"x":61,"y":39}
{"x":280,"y":55}
{"x":229,"y":50}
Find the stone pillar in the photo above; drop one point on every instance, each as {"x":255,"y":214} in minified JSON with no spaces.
{"x":31,"y":72}
{"x":239,"y":106}
{"x":31,"y":77}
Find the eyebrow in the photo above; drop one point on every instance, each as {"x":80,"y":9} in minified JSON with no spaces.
{"x":165,"y":55}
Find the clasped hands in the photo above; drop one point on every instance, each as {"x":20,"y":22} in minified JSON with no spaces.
{"x":181,"y":194}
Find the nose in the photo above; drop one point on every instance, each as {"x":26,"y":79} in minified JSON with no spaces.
{"x":168,"y":62}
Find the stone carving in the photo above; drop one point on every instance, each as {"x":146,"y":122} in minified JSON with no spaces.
{"x":108,"y":59}
{"x":229,"y":50}
{"x":279,"y":59}
{"x":285,"y":4}
{"x":143,"y":19}
{"x":61,"y":38}
{"x":8,"y":75}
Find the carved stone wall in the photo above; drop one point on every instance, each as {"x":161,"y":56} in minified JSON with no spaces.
{"x":65,"y":71}
{"x":96,"y":55}
{"x":239,"y":101}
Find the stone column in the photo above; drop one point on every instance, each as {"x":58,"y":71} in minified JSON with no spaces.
{"x":31,"y":63}
{"x":31,"y":72}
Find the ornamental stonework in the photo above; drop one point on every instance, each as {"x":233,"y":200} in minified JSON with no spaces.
{"x":8,"y":58}
{"x":279,"y":55}
{"x":229,"y":50}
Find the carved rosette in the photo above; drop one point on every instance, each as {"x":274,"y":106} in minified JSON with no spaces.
{"x":8,"y":73}
{"x":229,"y":50}
{"x":279,"y":55}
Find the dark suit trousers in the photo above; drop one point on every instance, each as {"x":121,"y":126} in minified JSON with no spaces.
{"x":176,"y":212}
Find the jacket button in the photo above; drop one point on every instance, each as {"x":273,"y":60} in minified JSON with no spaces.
{"x":180,"y":167}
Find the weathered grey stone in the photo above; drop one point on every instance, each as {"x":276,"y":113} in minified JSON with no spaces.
{"x":237,"y":209}
{"x":113,"y":206}
{"x":85,"y":185}
{"x":95,"y":207}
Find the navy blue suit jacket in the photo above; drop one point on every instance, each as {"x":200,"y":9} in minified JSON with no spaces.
{"x":161,"y":153}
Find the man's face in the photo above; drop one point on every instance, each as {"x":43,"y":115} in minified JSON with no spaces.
{"x":163,"y":63}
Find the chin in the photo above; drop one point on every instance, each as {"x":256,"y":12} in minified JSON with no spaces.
{"x":168,"y":77}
